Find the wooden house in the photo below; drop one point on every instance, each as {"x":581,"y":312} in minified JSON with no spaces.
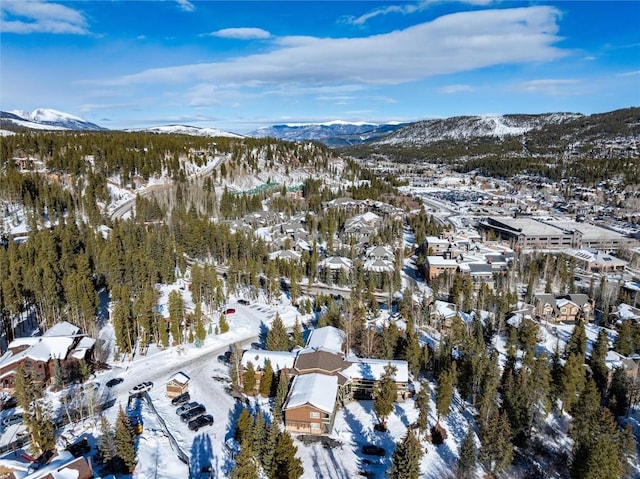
{"x":177,"y":384}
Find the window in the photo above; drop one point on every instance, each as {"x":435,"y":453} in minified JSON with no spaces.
{"x":315,"y":425}
{"x":314,"y":415}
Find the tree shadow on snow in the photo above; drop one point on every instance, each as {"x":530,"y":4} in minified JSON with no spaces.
{"x":201,"y":455}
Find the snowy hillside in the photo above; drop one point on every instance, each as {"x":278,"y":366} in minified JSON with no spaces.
{"x":48,"y":119}
{"x":189,"y":130}
{"x":333,"y":133}
{"x":466,"y":127}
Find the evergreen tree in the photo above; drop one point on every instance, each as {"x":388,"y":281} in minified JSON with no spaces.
{"x":266,"y":382}
{"x":258,"y":433}
{"x":296,"y":336}
{"x":201,"y":332}
{"x":246,"y":466}
{"x":585,"y":413}
{"x":249,"y":379}
{"x":385,"y":395}
{"x":405,"y":460}
{"x":41,"y":429}
{"x":578,"y":341}
{"x":125,"y":442}
{"x":624,"y":343}
{"x":285,"y":464}
{"x":269,"y":448}
{"x":281,"y":395}
{"x":422,"y":404}
{"x":412,"y":352}
{"x":496,"y":451}
{"x":444,"y":393}
{"x":106,"y":442}
{"x":572,"y":381}
{"x":223,"y":323}
{"x":176,"y":316}
{"x":467,"y":457}
{"x":600,"y":455}
{"x":244,"y":426}
{"x":618,"y":394}
{"x":277,"y":338}
{"x":597,"y":361}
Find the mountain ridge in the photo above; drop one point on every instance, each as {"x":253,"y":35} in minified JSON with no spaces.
{"x":47,"y":119}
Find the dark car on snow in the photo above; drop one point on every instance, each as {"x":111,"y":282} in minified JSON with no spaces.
{"x":201,"y":421}
{"x":114,"y":382}
{"x":372,"y":450}
{"x":184,"y":408}
{"x":181,"y":399}
{"x":193,"y":413}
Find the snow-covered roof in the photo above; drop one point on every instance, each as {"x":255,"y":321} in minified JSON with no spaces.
{"x":86,"y":343}
{"x":378,"y":265}
{"x":336,"y":262}
{"x":318,"y":390}
{"x":179,"y":377}
{"x":63,"y":328}
{"x":373,"y":369}
{"x":626,"y":311}
{"x":444,"y":309}
{"x":441,"y":261}
{"x":327,"y":337}
{"x":279,"y":359}
{"x":613,"y":360}
{"x":48,"y":348}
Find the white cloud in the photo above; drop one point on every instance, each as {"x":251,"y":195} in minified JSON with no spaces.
{"x":449,"y":44}
{"x":551,"y":86}
{"x":186,"y":5}
{"x":448,"y":89}
{"x":404,"y":9}
{"x":203,"y":95}
{"x":41,"y":17}
{"x":245,"y":33}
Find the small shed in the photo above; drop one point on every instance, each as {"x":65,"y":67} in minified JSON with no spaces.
{"x":177,"y":384}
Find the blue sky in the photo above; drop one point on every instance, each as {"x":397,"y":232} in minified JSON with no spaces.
{"x":241,"y":65}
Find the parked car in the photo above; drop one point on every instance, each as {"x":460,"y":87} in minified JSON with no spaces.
{"x":11,"y":420}
{"x":222,"y":359}
{"x":243,"y":301}
{"x":186,"y":407}
{"x":114,"y":382}
{"x":193,"y":413}
{"x":201,"y":421}
{"x":372,"y":450}
{"x":181,"y":399}
{"x":141,"y":388}
{"x":229,"y":311}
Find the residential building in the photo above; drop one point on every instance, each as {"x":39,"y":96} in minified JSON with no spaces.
{"x":63,"y":343}
{"x":324,"y":379}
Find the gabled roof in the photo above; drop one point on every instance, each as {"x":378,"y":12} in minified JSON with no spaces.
{"x":279,"y":359}
{"x":336,"y":262}
{"x":179,"y":377}
{"x":378,"y":265}
{"x":327,"y":337}
{"x":317,"y":390}
{"x":315,"y":359}
{"x":373,"y":369}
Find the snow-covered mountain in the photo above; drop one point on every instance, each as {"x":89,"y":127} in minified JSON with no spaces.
{"x":467,"y":127}
{"x":334,"y":133}
{"x":47,"y":119}
{"x":189,"y":130}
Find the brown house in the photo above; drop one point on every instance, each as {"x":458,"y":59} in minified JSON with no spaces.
{"x":177,"y":384}
{"x":311,"y":404}
{"x":563,"y":309}
{"x":63,"y":344}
